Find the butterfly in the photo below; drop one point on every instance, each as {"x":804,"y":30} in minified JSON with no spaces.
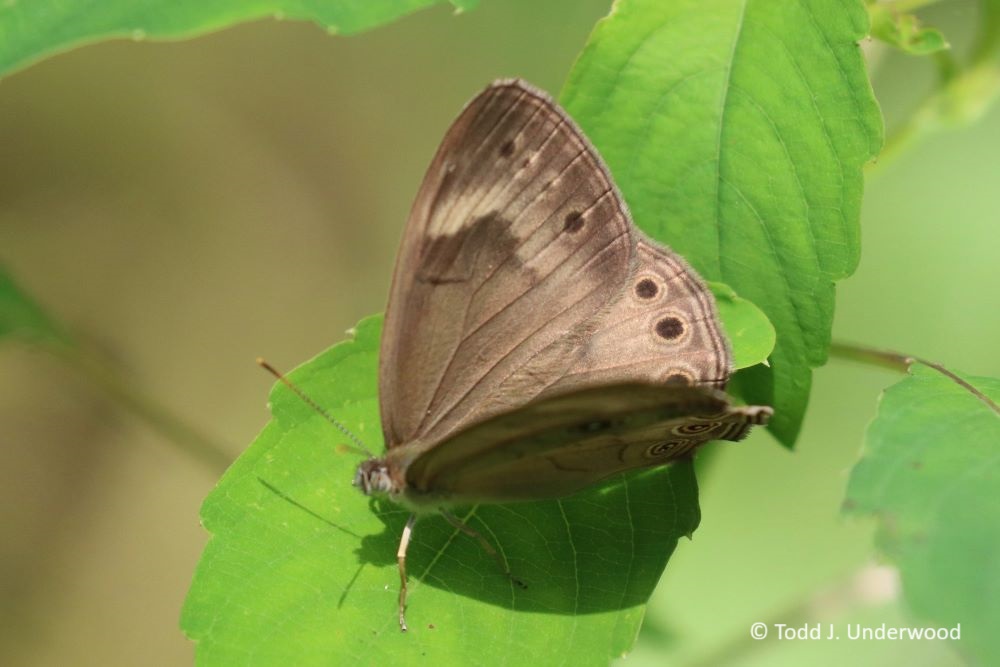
{"x":535,"y":341}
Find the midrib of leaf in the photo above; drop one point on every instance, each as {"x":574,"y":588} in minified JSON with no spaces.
{"x":576,"y":564}
{"x":631,"y":561}
{"x":727,"y":86}
{"x":966,"y":385}
{"x":849,"y":228}
{"x":902,"y":362}
{"x":498,"y":545}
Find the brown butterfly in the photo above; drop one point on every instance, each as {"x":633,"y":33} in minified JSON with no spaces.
{"x":536,"y":341}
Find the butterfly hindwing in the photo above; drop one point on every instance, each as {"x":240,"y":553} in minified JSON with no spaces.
{"x":559,"y":444}
{"x":662,"y":328}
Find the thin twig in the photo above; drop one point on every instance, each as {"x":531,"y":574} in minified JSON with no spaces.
{"x":902,"y":362}
{"x":183,"y":436}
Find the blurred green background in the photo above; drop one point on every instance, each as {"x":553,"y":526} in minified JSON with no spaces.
{"x":190,"y":206}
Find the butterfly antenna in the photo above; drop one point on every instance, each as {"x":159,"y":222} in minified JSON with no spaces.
{"x":361,"y":449}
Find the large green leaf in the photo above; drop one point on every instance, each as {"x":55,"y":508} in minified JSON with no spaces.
{"x":737,"y":130}
{"x":930,"y":474}
{"x":33,"y":29}
{"x":301,"y":568}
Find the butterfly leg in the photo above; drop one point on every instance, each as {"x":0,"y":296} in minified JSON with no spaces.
{"x":404,"y":542}
{"x":484,"y":543}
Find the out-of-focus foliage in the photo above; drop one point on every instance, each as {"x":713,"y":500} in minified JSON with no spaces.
{"x":23,"y":319}
{"x":930,"y":475}
{"x":33,"y":29}
{"x":905,"y":31}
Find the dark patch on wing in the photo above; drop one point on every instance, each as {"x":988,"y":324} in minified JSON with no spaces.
{"x":573,"y":222}
{"x":454,"y":258}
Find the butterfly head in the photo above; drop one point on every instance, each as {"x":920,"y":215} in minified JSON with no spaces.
{"x":373,"y":478}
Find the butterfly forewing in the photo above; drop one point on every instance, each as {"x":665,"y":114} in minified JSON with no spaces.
{"x":516,"y":243}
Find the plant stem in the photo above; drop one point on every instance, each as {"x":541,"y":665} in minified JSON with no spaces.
{"x":183,"y":436}
{"x":873,"y":356}
{"x":901,"y":362}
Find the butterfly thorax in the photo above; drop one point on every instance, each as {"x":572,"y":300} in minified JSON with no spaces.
{"x":385,"y":477}
{"x":374,"y":477}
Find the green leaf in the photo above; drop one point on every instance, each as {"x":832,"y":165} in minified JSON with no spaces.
{"x":33,"y":29}
{"x":301,"y":568}
{"x":904,"y":31}
{"x":750,"y":333}
{"x":930,"y":474}
{"x":22,"y":318}
{"x":737,"y":130}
